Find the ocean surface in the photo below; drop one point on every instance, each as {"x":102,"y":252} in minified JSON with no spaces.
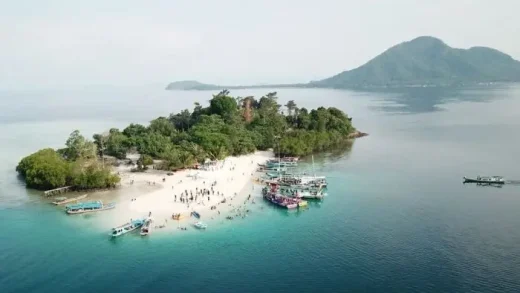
{"x":397,"y":218}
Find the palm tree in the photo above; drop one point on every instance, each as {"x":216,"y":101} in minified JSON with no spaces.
{"x":291,"y":105}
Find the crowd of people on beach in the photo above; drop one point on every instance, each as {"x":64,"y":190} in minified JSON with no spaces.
{"x":202,"y":195}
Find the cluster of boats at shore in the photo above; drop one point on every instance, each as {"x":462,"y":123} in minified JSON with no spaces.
{"x":288,"y":189}
{"x":144,"y":224}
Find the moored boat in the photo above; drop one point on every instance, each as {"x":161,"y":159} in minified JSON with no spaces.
{"x":59,"y":200}
{"x":485,"y":179}
{"x":127,"y":227}
{"x":145,"y":229}
{"x":88,"y":207}
{"x":280,"y":200}
{"x":200,"y":225}
{"x":303,"y":191}
{"x":63,"y":200}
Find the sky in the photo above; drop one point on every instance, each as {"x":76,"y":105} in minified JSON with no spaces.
{"x":63,"y":44}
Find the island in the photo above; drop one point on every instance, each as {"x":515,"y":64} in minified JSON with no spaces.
{"x":423,"y":61}
{"x":229,"y":126}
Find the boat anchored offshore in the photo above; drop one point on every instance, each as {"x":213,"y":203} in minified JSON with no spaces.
{"x":485,"y":179}
{"x":145,"y":229}
{"x":88,"y":207}
{"x":200,"y":225}
{"x":127,"y":227}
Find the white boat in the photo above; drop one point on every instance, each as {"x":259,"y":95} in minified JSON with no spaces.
{"x":310,"y":194}
{"x":200,"y":225}
{"x":145,"y":229}
{"x":127,"y":227}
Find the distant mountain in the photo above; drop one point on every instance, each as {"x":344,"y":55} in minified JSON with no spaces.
{"x":421,"y":61}
{"x":191,"y":85}
{"x":428,"y":61}
{"x":195,"y":85}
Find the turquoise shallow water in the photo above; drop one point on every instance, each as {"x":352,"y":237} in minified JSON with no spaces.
{"x":398,"y":218}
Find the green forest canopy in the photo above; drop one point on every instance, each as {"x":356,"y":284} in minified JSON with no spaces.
{"x":228,"y":126}
{"x":76,"y":165}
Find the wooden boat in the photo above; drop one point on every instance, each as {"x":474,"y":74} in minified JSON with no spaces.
{"x":127,"y":227}
{"x":177,"y":217}
{"x":485,"y":179}
{"x":280,"y":200}
{"x":145,"y":229}
{"x":64,"y":200}
{"x":302,"y":191}
{"x":195,"y":214}
{"x":88,"y":207}
{"x":58,"y":200}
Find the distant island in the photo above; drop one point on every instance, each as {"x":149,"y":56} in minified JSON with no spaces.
{"x":229,"y":126}
{"x":187,"y":85}
{"x":423,"y":61}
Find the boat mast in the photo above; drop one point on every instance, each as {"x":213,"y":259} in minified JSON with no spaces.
{"x":313,"y":171}
{"x":279,"y":157}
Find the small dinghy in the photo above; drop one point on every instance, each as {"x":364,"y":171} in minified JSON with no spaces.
{"x":195,"y":214}
{"x":200,"y":225}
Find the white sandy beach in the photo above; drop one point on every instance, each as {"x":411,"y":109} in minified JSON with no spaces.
{"x":230,"y":178}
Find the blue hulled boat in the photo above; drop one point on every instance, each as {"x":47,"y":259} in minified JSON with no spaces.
{"x":88,"y":207}
{"x":127,"y":227}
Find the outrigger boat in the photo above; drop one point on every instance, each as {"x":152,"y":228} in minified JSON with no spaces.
{"x":88,"y":207}
{"x":485,"y":179}
{"x":127,"y":227}
{"x":272,"y":164}
{"x":145,"y":229}
{"x":306,"y":192}
{"x":63,"y":200}
{"x":284,"y":159}
{"x":280,"y":200}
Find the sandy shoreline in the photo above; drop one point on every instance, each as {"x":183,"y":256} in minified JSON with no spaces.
{"x":232,"y":179}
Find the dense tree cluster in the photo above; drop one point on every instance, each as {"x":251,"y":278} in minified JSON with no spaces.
{"x":76,"y":165}
{"x":228,"y":126}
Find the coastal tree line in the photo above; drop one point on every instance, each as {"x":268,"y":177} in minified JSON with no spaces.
{"x":228,"y":126}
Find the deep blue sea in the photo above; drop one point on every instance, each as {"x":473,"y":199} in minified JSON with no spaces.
{"x":397,"y":218}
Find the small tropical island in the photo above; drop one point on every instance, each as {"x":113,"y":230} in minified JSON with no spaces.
{"x":229,"y":126}
{"x":200,"y":163}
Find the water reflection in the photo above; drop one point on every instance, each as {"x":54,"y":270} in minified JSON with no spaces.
{"x":413,"y":100}
{"x":321,"y":160}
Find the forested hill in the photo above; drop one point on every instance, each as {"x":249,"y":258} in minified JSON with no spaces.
{"x":428,"y":61}
{"x":421,"y":61}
